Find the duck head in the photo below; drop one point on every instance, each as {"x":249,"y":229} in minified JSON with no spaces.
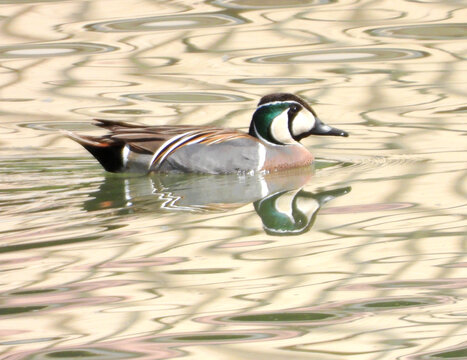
{"x":283,"y":119}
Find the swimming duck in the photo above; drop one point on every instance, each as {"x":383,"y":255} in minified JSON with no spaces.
{"x":280,"y":121}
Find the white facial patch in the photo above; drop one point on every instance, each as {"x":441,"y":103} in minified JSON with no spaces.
{"x":280,"y":129}
{"x":303,"y":122}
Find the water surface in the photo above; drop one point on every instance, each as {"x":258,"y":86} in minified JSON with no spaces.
{"x":361,"y":256}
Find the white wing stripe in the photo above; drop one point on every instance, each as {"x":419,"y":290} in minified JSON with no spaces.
{"x":172,"y":146}
{"x":178,"y":143}
{"x":164,"y":145}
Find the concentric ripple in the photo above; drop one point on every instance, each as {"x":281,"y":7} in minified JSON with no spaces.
{"x":344,"y":55}
{"x":222,"y":337}
{"x":53,"y":50}
{"x":423,"y":32}
{"x":3,"y":2}
{"x":274,"y":81}
{"x":348,"y":15}
{"x":171,"y":22}
{"x":188,"y":97}
{"x":291,"y":317}
{"x":268,"y":4}
{"x":241,"y":40}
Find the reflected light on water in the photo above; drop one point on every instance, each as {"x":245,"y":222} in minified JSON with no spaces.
{"x":361,"y":256}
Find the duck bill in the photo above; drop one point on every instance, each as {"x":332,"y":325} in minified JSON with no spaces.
{"x":321,"y":128}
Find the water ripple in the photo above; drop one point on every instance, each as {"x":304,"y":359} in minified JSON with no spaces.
{"x":272,"y":81}
{"x":167,"y":22}
{"x":53,"y":50}
{"x":344,"y":55}
{"x":188,"y":97}
{"x":221,"y":337}
{"x":296,"y":317}
{"x":241,"y":40}
{"x":110,"y":266}
{"x":348,"y":15}
{"x":269,"y":4}
{"x":458,"y":283}
{"x":452,"y":31}
{"x":455,"y":352}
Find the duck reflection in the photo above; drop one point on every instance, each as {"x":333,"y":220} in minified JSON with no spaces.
{"x":284,"y":207}
{"x":293,"y":212}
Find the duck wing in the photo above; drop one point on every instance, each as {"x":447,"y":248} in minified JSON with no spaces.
{"x":146,"y":147}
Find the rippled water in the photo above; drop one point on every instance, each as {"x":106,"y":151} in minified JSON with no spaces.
{"x":360,"y":257}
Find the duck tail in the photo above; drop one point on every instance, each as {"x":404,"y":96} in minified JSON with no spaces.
{"x":106,"y":150}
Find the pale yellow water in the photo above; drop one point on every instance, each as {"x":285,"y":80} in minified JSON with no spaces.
{"x":361,"y":257}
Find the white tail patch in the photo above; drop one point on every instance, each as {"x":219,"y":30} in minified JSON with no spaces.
{"x":303,"y":122}
{"x":125,"y":154}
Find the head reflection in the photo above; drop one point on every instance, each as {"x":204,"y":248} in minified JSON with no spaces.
{"x":293,"y":212}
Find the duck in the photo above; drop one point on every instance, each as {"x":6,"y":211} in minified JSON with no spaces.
{"x":279,"y":123}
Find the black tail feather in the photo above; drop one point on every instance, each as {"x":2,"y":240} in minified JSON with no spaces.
{"x":107,"y":151}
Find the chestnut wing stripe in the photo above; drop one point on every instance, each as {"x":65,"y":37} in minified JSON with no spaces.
{"x":217,"y":138}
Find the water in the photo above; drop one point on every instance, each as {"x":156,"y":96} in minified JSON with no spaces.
{"x":360,"y":257}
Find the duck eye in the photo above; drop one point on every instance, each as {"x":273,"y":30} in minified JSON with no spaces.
{"x":294,"y":108}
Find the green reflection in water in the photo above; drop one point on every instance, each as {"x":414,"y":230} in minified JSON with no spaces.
{"x":199,"y":271}
{"x":212,"y":337}
{"x":32,"y":292}
{"x":456,"y":354}
{"x":19,"y":310}
{"x":283,"y":317}
{"x":393,"y":304}
{"x":188,"y":97}
{"x":72,"y":354}
{"x":83,"y":354}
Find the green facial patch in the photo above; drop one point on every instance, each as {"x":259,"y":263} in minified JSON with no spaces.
{"x":264,"y":116}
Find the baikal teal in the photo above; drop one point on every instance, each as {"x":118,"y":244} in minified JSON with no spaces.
{"x":280,"y":121}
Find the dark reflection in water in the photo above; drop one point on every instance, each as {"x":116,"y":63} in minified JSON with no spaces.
{"x":279,"y":200}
